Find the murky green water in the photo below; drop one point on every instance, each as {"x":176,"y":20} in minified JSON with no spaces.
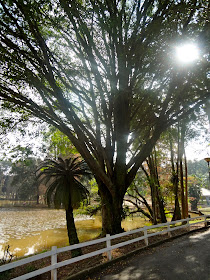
{"x":29,"y":231}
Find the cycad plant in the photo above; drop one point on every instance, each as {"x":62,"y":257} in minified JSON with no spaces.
{"x":64,"y":179}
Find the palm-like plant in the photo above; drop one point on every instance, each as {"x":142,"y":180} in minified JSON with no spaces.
{"x":64,"y":179}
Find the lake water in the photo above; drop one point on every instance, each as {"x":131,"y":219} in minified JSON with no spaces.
{"x":29,"y":230}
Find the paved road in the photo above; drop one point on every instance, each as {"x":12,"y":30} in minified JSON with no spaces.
{"x":185,"y":258}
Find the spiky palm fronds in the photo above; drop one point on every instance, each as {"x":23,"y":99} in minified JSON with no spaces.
{"x":64,"y":179}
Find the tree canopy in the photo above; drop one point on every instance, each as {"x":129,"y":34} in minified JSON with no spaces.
{"x":103,"y":73}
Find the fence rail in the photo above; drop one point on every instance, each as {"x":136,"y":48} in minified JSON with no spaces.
{"x":165,"y":228}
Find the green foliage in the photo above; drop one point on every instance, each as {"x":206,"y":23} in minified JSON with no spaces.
{"x":195,"y":192}
{"x":17,"y":175}
{"x":198,"y":168}
{"x":5,"y":275}
{"x":29,"y":268}
{"x":140,"y":182}
{"x":194,"y":195}
{"x":58,"y":144}
{"x":167,"y":190}
{"x":64,"y":178}
{"x":90,"y":210}
{"x":24,"y":179}
{"x":21,"y":154}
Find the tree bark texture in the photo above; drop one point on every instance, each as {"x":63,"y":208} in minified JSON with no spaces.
{"x":175,"y":182}
{"x":111,"y":207}
{"x":72,"y":232}
{"x":181,"y":171}
{"x":157,"y":200}
{"x":186,"y":186}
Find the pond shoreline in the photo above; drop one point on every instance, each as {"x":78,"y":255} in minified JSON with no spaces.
{"x":30,"y":230}
{"x":33,"y":230}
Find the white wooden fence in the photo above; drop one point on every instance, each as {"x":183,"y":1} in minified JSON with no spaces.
{"x":165,"y":228}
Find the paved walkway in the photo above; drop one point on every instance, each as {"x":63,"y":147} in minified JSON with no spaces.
{"x":185,"y":258}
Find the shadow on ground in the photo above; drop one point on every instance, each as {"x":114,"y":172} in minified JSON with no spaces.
{"x":186,"y":258}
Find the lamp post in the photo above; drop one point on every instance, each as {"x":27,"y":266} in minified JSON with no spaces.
{"x":208,"y":161}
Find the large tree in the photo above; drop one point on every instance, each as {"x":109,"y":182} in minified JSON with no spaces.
{"x":103,"y":72}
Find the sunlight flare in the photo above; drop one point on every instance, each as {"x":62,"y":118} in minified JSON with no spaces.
{"x":187,"y":53}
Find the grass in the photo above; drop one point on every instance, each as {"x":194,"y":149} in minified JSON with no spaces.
{"x":5,"y":274}
{"x":30,"y":268}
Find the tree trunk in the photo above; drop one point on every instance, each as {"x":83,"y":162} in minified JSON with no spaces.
{"x":154,"y":203}
{"x":157,"y":199}
{"x":194,"y":205}
{"x":161,"y":206}
{"x":72,"y":232}
{"x":157,"y":205}
{"x":37,"y":196}
{"x":181,"y":150}
{"x":177,"y":211}
{"x":175,"y":181}
{"x":182,"y":188}
{"x":153,"y":196}
{"x":186,"y":185}
{"x":159,"y":195}
{"x":111,"y":217}
{"x":112,"y":209}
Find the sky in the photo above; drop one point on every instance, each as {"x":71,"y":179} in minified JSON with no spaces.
{"x":199,"y":148}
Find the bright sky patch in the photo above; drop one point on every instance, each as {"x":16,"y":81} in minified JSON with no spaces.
{"x":187,"y":53}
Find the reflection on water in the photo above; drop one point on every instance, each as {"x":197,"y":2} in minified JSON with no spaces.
{"x":29,"y":231}
{"x":16,"y":222}
{"x":10,"y":203}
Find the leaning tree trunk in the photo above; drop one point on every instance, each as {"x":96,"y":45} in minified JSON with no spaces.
{"x":72,"y":232}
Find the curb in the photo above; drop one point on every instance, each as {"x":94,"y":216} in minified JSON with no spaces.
{"x":88,"y":272}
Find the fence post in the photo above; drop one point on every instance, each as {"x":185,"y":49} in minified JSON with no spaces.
{"x":54,"y":261}
{"x":188,"y":224}
{"x":145,"y":236}
{"x":108,"y":245}
{"x":205,"y":221}
{"x":168,"y":230}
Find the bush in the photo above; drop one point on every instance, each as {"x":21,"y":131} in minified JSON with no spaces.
{"x":194,"y":196}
